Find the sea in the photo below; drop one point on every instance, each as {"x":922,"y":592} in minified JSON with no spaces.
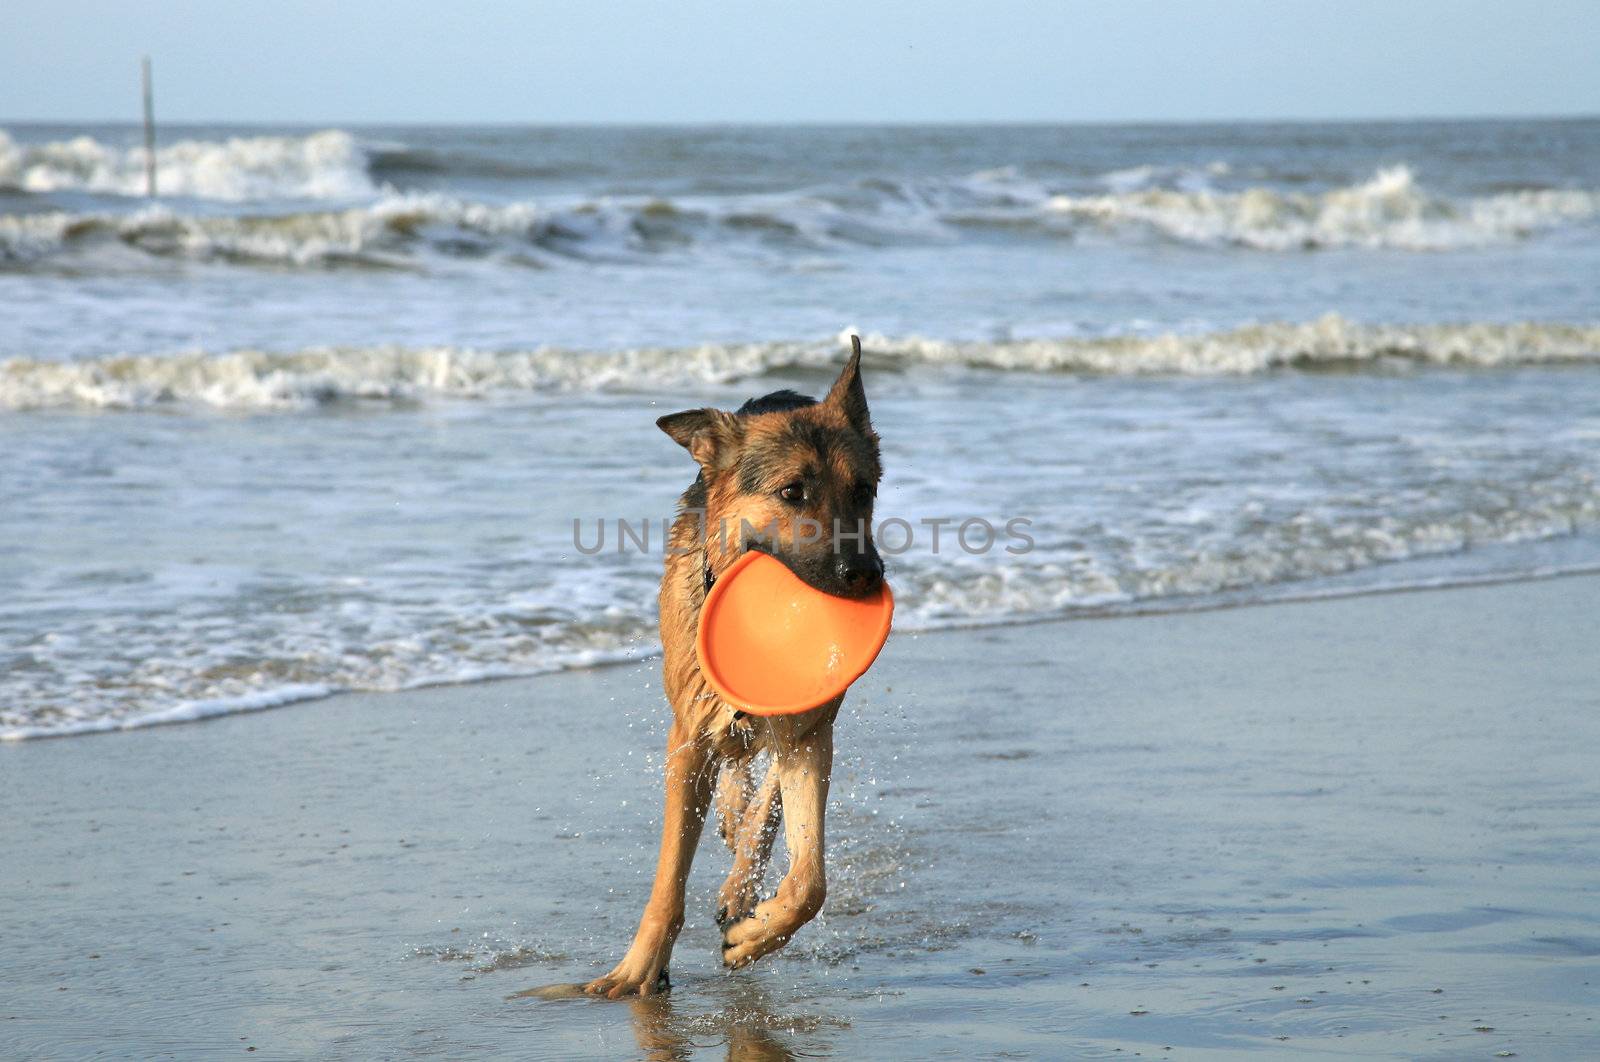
{"x":347,"y":408}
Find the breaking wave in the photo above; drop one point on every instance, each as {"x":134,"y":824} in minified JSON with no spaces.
{"x":262,"y":380}
{"x":386,"y":234}
{"x":407,"y":230}
{"x":1389,"y":211}
{"x":1330,"y":342}
{"x":325,"y":165}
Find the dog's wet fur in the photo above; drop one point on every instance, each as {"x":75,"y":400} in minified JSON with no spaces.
{"x":771,"y":472}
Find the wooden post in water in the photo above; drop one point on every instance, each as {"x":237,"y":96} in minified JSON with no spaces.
{"x":149,"y":130}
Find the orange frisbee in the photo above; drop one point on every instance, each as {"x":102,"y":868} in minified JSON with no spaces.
{"x":774,"y":645}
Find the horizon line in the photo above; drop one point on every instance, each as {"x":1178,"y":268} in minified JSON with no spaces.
{"x":797,"y":123}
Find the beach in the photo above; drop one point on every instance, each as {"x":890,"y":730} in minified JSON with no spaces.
{"x":1354,"y":825}
{"x":1261,"y":718}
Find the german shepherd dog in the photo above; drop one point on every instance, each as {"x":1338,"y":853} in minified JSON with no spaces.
{"x":770,"y":475}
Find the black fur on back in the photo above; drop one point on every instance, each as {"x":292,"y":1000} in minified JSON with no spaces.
{"x":777,"y":402}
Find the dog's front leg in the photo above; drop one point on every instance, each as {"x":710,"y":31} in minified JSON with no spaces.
{"x":752,"y":847}
{"x":803,"y":771}
{"x":689,"y":774}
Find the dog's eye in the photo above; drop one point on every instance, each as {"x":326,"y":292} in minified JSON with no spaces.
{"x":793,"y":493}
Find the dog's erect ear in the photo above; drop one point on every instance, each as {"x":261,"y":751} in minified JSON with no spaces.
{"x":848,"y":395}
{"x":710,"y":435}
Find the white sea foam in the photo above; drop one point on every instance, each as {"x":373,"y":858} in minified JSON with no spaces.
{"x":1389,"y":211}
{"x":383,"y":234}
{"x":325,"y":165}
{"x":1281,"y":556}
{"x":69,"y":723}
{"x":179,"y":664}
{"x":1330,"y":341}
{"x":394,"y":231}
{"x":189,"y":668}
{"x":260,"y":380}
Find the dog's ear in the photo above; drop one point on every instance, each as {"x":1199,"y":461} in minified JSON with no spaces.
{"x":711,"y":436}
{"x":848,"y":395}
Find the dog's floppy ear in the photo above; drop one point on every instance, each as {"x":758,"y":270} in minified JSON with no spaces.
{"x":848,"y":395}
{"x":710,"y":435}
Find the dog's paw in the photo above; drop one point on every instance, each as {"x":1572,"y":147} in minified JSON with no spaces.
{"x":751,"y":937}
{"x":736,"y":900}
{"x":770,"y":925}
{"x":626,"y":980}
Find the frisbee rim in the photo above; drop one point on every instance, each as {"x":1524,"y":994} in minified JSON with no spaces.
{"x":708,"y":667}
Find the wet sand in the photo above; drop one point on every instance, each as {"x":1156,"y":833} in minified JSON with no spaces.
{"x":1362,"y":827}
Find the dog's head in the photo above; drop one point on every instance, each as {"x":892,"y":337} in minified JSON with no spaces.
{"x":792,"y":477}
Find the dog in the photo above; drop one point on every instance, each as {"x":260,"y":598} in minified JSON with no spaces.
{"x":771,"y":474}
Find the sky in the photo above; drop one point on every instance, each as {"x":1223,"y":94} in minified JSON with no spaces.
{"x":798,"y":60}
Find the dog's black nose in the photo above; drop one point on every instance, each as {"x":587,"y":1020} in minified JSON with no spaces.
{"x":859,"y":572}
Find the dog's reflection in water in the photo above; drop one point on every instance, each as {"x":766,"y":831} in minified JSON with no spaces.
{"x":666,"y":1033}
{"x":663,"y":1034}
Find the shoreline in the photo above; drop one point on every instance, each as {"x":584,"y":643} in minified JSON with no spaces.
{"x":287,"y":697}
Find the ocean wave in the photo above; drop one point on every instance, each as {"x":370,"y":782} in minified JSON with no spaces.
{"x":262,"y":380}
{"x":1330,"y":342}
{"x":325,"y":165}
{"x":1389,"y":211}
{"x":385,"y":234}
{"x":406,"y":231}
{"x":410,"y":230}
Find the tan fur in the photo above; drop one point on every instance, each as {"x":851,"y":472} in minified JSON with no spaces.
{"x":711,"y":745}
